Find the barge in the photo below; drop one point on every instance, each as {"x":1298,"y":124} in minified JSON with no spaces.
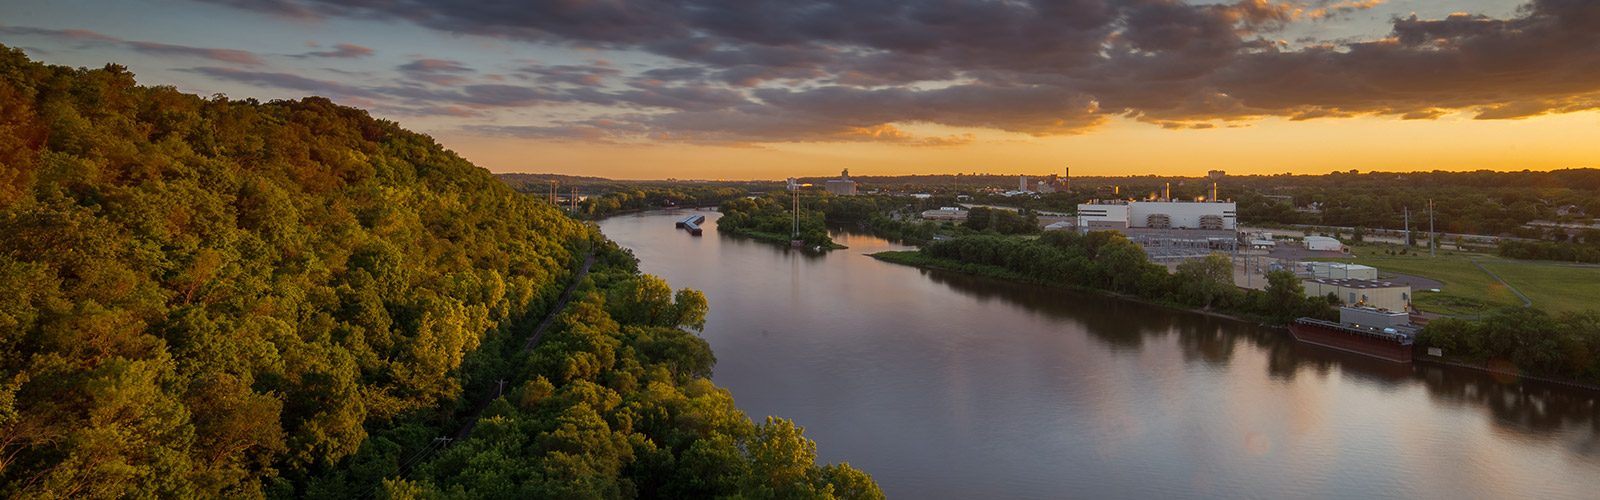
{"x":692,"y":223}
{"x":1379,"y":333}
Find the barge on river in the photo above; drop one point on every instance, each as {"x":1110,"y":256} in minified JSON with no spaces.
{"x":1380,"y":333}
{"x":692,"y":223}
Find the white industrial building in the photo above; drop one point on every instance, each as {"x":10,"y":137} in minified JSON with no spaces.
{"x":1355,"y":292}
{"x":1340,"y":270}
{"x":1323,"y":243}
{"x":842,"y":186}
{"x":1118,"y":214}
{"x":945,"y":213}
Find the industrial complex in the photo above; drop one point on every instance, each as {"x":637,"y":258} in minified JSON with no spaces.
{"x":842,"y":186}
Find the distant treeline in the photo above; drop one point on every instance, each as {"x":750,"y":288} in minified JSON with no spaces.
{"x":1566,"y":251}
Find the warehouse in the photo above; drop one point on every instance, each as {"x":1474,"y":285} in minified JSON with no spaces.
{"x":1323,"y":243}
{"x":1357,"y":292}
{"x":1118,"y":214}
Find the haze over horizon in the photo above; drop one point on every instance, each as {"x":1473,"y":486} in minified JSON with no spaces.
{"x":761,"y":89}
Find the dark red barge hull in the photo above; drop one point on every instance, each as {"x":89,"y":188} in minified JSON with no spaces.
{"x":1355,"y":341}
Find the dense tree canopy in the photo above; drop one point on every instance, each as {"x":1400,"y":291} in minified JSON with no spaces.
{"x":210,"y":297}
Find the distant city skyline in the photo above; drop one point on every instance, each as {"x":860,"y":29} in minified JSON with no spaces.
{"x":758,"y":89}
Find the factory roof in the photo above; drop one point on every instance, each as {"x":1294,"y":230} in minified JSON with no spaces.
{"x":1358,"y":283}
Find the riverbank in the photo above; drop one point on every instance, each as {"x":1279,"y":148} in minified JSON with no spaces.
{"x":782,"y":239}
{"x":1492,"y":370}
{"x":916,"y":259}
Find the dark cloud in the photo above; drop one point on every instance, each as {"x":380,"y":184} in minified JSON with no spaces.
{"x":774,"y":70}
{"x":160,"y":49}
{"x":343,"y":50}
{"x":284,"y":81}
{"x":582,"y":75}
{"x":224,"y":55}
{"x":84,"y":35}
{"x":599,"y":130}
{"x":435,"y":71}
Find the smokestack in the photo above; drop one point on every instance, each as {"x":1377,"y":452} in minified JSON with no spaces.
{"x":1213,"y":191}
{"x":1167,"y":195}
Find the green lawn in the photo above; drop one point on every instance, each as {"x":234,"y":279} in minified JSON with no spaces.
{"x":1553,"y":288}
{"x":1468,"y":290}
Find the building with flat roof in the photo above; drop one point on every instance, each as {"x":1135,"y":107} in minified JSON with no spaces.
{"x":1340,"y":270}
{"x":842,"y":186}
{"x":1323,"y":243}
{"x":1119,"y":214}
{"x":945,"y":213}
{"x":1358,"y":292}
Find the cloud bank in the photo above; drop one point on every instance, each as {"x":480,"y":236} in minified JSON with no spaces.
{"x":848,"y":70}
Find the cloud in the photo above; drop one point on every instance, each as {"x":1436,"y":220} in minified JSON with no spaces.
{"x":343,"y":50}
{"x":776,"y":70}
{"x":159,"y":49}
{"x":84,"y":35}
{"x":581,"y":75}
{"x":284,"y":81}
{"x":1345,"y":7}
{"x":224,"y":55}
{"x":435,"y":71}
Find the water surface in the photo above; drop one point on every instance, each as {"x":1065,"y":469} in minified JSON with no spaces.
{"x":945,"y":385}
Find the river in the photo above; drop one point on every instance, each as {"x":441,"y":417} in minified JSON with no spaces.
{"x":950,"y":386}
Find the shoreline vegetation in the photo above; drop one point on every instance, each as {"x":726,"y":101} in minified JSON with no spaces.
{"x":774,"y":238}
{"x":768,"y":218}
{"x":913,"y":258}
{"x":1526,"y":342}
{"x":1107,"y":262}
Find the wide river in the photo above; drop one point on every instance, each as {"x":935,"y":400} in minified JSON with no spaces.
{"x":949,"y":386}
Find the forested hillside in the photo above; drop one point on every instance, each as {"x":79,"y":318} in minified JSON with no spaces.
{"x":204,"y":297}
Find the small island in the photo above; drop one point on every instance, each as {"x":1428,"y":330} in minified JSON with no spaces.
{"x":766,"y":218}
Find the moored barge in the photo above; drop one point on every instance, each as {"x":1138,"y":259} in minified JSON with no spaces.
{"x":1378,"y":333}
{"x":692,"y":223}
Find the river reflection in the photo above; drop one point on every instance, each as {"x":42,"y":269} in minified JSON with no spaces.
{"x":948,"y":385}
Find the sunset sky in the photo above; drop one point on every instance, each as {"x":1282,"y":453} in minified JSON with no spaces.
{"x":767,"y":89}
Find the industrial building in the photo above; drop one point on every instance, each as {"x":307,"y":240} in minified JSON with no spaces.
{"x":945,"y":213}
{"x":1323,"y":243}
{"x":1340,"y":270}
{"x":1119,"y":214}
{"x":1358,"y":292}
{"x":1047,"y":184}
{"x":842,"y":186}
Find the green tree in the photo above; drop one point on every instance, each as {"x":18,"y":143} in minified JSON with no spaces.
{"x":1209,"y":277}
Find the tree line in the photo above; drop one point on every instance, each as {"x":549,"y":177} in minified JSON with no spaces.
{"x":1531,"y":340}
{"x":1108,"y":261}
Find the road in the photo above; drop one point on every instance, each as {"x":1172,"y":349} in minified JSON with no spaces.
{"x":533,"y":341}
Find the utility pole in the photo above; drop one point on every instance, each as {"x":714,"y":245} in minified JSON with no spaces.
{"x":572,"y":201}
{"x":1408,"y":227}
{"x":1431,"y":235}
{"x":553,"y":193}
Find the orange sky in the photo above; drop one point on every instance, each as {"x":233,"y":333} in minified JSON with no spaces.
{"x":1268,"y":146}
{"x":767,"y":89}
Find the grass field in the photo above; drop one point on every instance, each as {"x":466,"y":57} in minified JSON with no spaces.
{"x":1552,"y":288}
{"x":1468,"y":290}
